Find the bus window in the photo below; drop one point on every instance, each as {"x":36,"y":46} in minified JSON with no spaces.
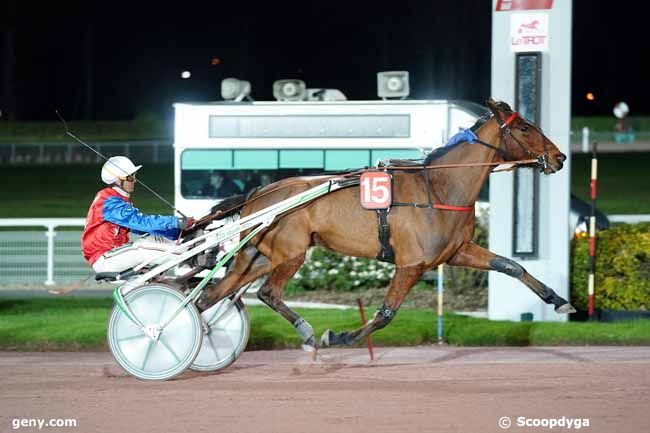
{"x":220,"y":184}
{"x":221,"y":173}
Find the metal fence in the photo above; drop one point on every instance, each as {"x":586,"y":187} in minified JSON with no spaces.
{"x":74,"y":153}
{"x":30,"y":254}
{"x":155,"y":151}
{"x":586,"y":135}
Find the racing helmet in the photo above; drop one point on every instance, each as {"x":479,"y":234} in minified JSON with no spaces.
{"x":118,"y":167}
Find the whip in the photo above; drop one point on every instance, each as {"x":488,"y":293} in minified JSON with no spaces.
{"x":69,"y":133}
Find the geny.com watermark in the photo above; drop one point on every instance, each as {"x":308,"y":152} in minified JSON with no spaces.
{"x":17,"y":423}
{"x":550,"y":423}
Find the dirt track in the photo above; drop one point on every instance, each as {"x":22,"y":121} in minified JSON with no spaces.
{"x":425,"y":389}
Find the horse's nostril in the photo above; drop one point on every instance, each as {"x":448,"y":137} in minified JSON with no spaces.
{"x":561,"y":158}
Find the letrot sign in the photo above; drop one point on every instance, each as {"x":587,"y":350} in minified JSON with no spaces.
{"x":529,"y":211}
{"x":529,"y":32}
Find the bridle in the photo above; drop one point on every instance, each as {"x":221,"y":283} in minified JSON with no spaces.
{"x":506,"y":132}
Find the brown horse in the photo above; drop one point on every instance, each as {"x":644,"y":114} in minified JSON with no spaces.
{"x":421,"y":237}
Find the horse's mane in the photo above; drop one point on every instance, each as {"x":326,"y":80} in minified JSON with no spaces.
{"x":437,"y":153}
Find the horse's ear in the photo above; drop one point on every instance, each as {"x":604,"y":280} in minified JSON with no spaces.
{"x":503,"y":106}
{"x":492,"y":105}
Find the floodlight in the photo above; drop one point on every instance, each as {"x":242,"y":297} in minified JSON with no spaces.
{"x":621,"y":110}
{"x":393,"y":84}
{"x":325,"y":95}
{"x":233,"y":89}
{"x":289,"y":90}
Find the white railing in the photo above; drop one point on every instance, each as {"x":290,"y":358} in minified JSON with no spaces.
{"x":629,"y":219}
{"x":21,"y":251}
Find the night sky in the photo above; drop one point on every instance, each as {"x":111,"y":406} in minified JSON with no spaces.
{"x":118,"y":60}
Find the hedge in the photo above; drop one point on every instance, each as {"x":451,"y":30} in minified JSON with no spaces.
{"x":622,"y":269}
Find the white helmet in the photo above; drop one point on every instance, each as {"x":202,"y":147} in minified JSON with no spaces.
{"x":118,"y":167}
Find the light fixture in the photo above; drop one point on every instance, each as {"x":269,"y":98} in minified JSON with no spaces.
{"x":236,"y":90}
{"x":325,"y":95}
{"x":186,"y":74}
{"x":393,"y":84}
{"x":621,"y":110}
{"x":289,"y":90}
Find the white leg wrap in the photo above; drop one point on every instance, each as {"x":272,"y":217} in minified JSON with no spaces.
{"x":304,"y":329}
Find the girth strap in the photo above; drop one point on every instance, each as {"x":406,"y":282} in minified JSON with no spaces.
{"x":386,"y":254}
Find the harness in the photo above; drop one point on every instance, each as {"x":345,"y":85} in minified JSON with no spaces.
{"x":386,"y":253}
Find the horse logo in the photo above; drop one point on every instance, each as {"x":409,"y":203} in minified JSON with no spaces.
{"x":529,"y":27}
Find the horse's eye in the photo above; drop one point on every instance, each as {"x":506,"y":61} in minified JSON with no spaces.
{"x":524,"y":128}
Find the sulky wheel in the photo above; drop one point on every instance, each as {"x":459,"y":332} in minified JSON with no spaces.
{"x":154,"y":353}
{"x":226,"y":330}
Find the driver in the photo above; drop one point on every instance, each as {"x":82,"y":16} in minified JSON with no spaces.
{"x":105,"y":239}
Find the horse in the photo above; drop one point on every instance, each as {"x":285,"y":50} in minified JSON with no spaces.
{"x":427,"y":230}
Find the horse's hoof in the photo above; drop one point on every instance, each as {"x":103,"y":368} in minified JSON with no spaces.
{"x":311,"y":350}
{"x":308,"y":348}
{"x":565,"y":309}
{"x":328,"y":338}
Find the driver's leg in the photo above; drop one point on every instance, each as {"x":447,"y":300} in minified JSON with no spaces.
{"x":132,"y":254}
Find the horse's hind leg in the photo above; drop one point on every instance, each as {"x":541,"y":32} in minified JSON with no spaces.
{"x":474,"y":256}
{"x":249,"y":265}
{"x":271,"y":294}
{"x":400,"y":285}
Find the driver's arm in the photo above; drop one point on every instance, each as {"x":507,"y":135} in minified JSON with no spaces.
{"x":126,"y":215}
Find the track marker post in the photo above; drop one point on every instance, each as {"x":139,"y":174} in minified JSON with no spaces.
{"x":592,"y":231}
{"x":440,"y":299}
{"x":363,"y":322}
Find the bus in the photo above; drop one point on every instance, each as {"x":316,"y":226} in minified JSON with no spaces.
{"x":227,"y":148}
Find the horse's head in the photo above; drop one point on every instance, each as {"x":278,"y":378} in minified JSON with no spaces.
{"x":520,"y":139}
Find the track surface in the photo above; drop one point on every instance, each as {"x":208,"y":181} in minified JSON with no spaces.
{"x":423,"y":389}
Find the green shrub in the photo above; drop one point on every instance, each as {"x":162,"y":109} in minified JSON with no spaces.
{"x":328,"y":270}
{"x":622,"y":269}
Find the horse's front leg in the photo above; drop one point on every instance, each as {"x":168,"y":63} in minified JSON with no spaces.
{"x":400,"y":286}
{"x":473,"y":256}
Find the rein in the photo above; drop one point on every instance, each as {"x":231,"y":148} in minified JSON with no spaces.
{"x":356,"y":173}
{"x":503,"y":126}
{"x":505,"y":133}
{"x":207,"y":218}
{"x":468,"y":164}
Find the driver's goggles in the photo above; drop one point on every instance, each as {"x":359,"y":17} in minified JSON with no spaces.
{"x":129,"y":178}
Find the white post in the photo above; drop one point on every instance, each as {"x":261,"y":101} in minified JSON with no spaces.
{"x":440,"y":294}
{"x":50,"y":254}
{"x":585,"y":139}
